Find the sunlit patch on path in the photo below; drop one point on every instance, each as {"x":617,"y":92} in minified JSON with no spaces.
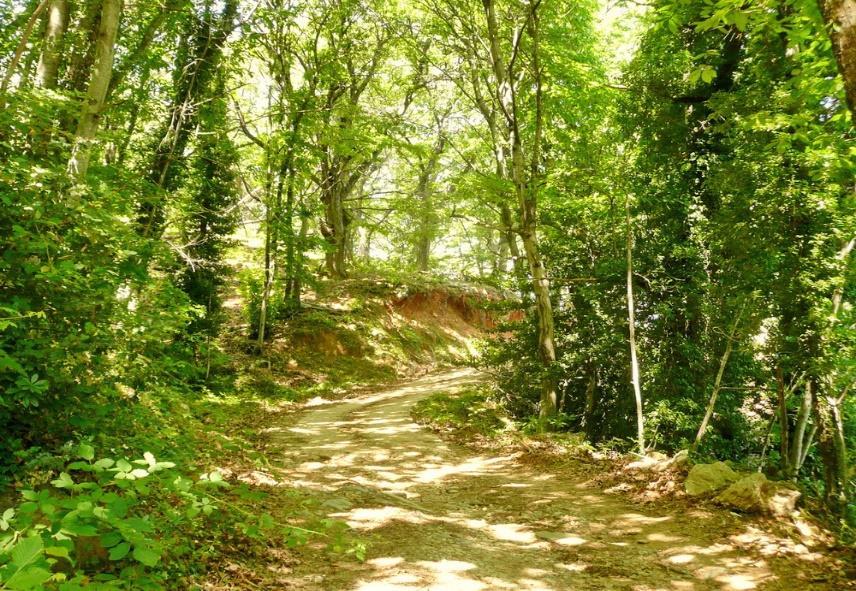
{"x":438,"y":517}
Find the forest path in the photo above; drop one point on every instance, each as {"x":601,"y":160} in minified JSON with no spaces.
{"x":438,"y":517}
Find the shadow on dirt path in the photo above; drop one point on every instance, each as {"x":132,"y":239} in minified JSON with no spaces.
{"x":438,"y":517}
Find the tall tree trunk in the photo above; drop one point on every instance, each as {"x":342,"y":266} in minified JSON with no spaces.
{"x":509,"y":236}
{"x":93,"y":104}
{"x":784,"y":426}
{"x":297,"y":278}
{"x":590,"y":401}
{"x":833,"y":448}
{"x":840,"y":18}
{"x":266,"y":287}
{"x":798,"y":438}
{"x":526,"y":187}
{"x":196,"y":65}
{"x":48,"y":68}
{"x":82,"y":55}
{"x":631,"y":322}
{"x":290,"y":238}
{"x":717,"y":384}
{"x":334,"y":229}
{"x":427,"y":229}
{"x":22,"y":45}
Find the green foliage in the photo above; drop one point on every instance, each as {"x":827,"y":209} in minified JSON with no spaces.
{"x":252,"y":291}
{"x":106,"y":524}
{"x":467,"y":413}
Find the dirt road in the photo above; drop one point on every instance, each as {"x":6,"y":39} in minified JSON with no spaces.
{"x":438,"y":517}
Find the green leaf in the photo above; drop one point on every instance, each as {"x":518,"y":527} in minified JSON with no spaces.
{"x":58,"y":551}
{"x":707,"y":75}
{"x":27,"y":551}
{"x":694,"y":76}
{"x":119,"y":552}
{"x":86,"y":451}
{"x":110,"y":539}
{"x":146,"y":555}
{"x":7,"y":362}
{"x":28,"y":507}
{"x":64,"y":481}
{"x":104,"y":463}
{"x":29,"y":578}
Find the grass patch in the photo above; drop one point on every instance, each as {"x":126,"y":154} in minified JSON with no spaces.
{"x":467,"y":413}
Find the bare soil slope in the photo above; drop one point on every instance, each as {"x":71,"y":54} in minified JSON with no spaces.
{"x":439,"y":517}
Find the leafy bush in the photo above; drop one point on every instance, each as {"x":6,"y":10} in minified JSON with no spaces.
{"x":120,"y":524}
{"x":252,"y":289}
{"x":101,"y":525}
{"x":468,"y":412}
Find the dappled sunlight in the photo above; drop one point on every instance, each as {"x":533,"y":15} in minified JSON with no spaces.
{"x":440,"y":518}
{"x":768,"y":544}
{"x":512,"y":532}
{"x":470,"y":467}
{"x":665,"y":538}
{"x":637,"y":519}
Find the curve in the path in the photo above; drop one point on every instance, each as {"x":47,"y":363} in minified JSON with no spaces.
{"x":440,"y":518}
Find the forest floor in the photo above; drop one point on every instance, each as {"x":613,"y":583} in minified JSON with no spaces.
{"x":439,"y":516}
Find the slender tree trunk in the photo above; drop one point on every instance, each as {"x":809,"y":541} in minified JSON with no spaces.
{"x":22,"y":45}
{"x":526,"y":189}
{"x":290,"y":238}
{"x":297,"y":279}
{"x":93,"y":104}
{"x":796,"y":450}
{"x":48,"y":68}
{"x":509,"y":237}
{"x":825,"y":408}
{"x":268,"y":281}
{"x":133,"y":117}
{"x":631,"y":321}
{"x":784,"y":426}
{"x":591,"y":399}
{"x":427,"y":229}
{"x":717,"y":384}
{"x":334,"y":220}
{"x":81,"y":57}
{"x":833,"y":448}
{"x":840,"y":18}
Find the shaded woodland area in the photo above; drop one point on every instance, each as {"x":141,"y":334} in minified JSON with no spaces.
{"x":660,"y":196}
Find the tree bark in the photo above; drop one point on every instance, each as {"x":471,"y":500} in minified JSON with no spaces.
{"x":427,"y":228}
{"x":334,"y":231}
{"x":22,"y":45}
{"x":48,"y":69}
{"x":798,"y":439}
{"x":784,"y":427}
{"x":631,"y":323}
{"x":840,"y":18}
{"x":833,"y":449}
{"x":723,"y":362}
{"x":526,"y":184}
{"x":268,"y":283}
{"x":93,"y":104}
